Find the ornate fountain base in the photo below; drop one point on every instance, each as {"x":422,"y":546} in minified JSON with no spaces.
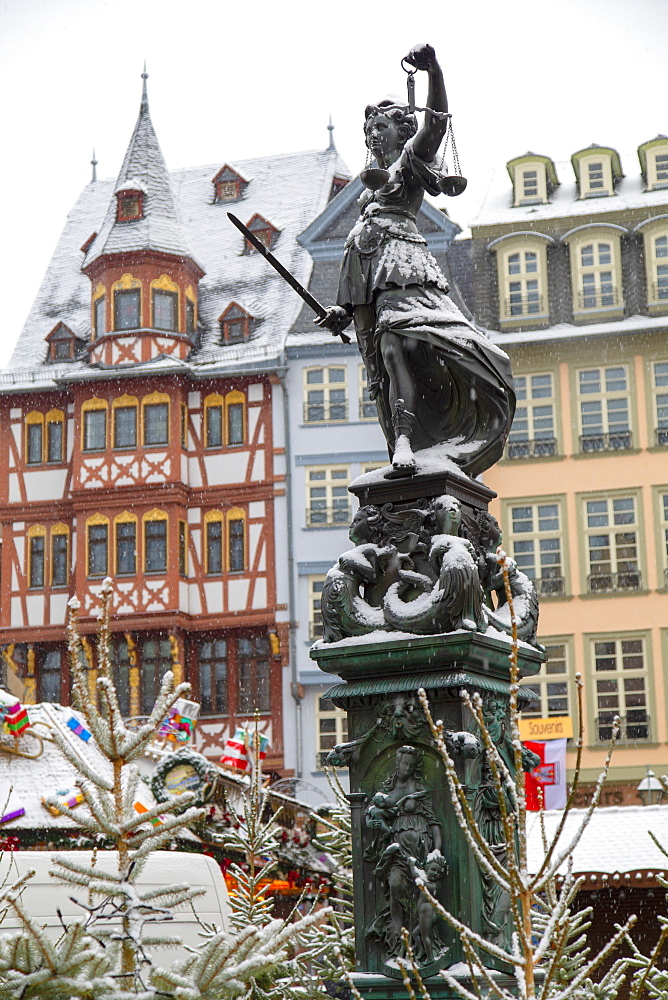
{"x":404,"y":825}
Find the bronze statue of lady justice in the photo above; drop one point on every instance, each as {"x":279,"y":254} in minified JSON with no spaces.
{"x":438,"y":382}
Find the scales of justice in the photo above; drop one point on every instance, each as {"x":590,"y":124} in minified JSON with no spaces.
{"x":418,"y":600}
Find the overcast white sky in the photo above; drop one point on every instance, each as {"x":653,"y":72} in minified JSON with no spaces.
{"x":238,"y":78}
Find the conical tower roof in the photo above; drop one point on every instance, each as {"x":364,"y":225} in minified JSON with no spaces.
{"x":143,"y":170}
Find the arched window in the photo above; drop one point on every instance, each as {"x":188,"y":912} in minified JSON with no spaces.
{"x":235,"y":417}
{"x":125,"y":544}
{"x":596,"y":272}
{"x":155,"y":541}
{"x":36,"y":555}
{"x":60,"y":555}
{"x":94,"y":424}
{"x":97,"y":546}
{"x":656,"y":262}
{"x":213,"y":543}
{"x":127,"y":303}
{"x":165,"y":303}
{"x":236,"y":540}
{"x":99,"y":311}
{"x":55,"y":436}
{"x":34,"y":438}
{"x":124,"y":413}
{"x":214,"y":406}
{"x":522,"y":276}
{"x":155,"y":416}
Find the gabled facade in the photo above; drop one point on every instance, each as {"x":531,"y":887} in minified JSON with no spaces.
{"x":575,"y":288}
{"x":149,"y":450}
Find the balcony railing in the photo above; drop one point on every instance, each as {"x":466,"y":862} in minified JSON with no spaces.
{"x":319,"y":516}
{"x":550,"y":586}
{"x":612,"y":441}
{"x":634,"y":727}
{"x":660,"y":290}
{"x":325,"y":413}
{"x":610,"y":583}
{"x":661,"y":436}
{"x":524,"y":305}
{"x":607,"y":298}
{"x":544,"y":448}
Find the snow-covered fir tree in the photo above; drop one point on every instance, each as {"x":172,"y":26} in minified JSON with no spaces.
{"x":104,"y":956}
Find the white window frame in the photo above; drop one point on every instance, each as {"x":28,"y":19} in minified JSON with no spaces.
{"x":656,"y":257}
{"x":315,"y":625}
{"x":529,"y":437}
{"x":622,"y":570}
{"x":512,"y":273}
{"x":333,"y":406}
{"x":534,"y":539}
{"x":327,"y":496}
{"x":620,"y":701}
{"x":586,"y":179}
{"x":367,"y":406}
{"x":553,"y":682}
{"x":614,"y":434}
{"x":540,"y":185}
{"x":654,"y":182}
{"x":338,"y":732}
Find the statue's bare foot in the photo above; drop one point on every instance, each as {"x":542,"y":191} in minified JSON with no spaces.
{"x":403,"y":460}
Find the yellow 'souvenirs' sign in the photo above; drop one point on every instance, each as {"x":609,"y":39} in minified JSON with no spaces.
{"x":558,"y":727}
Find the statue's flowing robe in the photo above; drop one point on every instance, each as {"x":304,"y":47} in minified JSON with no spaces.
{"x":464,"y":382}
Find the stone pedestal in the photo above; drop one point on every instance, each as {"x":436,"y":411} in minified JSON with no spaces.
{"x":401,"y":806}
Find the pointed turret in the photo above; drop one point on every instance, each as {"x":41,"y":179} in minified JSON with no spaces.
{"x":144,"y":277}
{"x":142,"y":214}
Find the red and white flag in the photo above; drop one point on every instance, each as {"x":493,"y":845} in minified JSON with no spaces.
{"x":549,"y":775}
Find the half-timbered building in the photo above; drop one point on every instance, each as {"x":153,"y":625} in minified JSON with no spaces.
{"x":139,"y":435}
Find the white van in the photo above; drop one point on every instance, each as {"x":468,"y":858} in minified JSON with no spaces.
{"x":43,"y":894}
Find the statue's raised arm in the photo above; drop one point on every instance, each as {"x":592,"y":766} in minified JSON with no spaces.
{"x":438,"y":383}
{"x":428,"y":139}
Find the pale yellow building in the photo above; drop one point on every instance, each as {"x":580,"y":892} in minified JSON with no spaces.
{"x":569,"y":273}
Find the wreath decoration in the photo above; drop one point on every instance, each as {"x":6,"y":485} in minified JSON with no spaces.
{"x":205,"y":771}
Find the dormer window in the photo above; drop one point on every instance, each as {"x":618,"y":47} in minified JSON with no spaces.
{"x":235,"y":324}
{"x":534,"y":178}
{"x":62,"y":343}
{"x":85,"y":247}
{"x":338,"y":184}
{"x":597,"y":169}
{"x":130,"y":205}
{"x":653,"y":156}
{"x":228,"y":185}
{"x":265,"y":232}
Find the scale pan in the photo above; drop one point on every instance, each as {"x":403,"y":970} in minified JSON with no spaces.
{"x":452,"y":185}
{"x":374,"y":178}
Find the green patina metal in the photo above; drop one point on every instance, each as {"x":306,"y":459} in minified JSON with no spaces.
{"x":342,"y":693}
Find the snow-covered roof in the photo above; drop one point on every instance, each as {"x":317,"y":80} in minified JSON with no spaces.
{"x":290,"y":189}
{"x":616,"y":841}
{"x":31,"y":779}
{"x":584,"y":331}
{"x":497,"y":206}
{"x":143,"y":169}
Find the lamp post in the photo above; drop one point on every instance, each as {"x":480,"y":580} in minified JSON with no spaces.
{"x":650,"y":789}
